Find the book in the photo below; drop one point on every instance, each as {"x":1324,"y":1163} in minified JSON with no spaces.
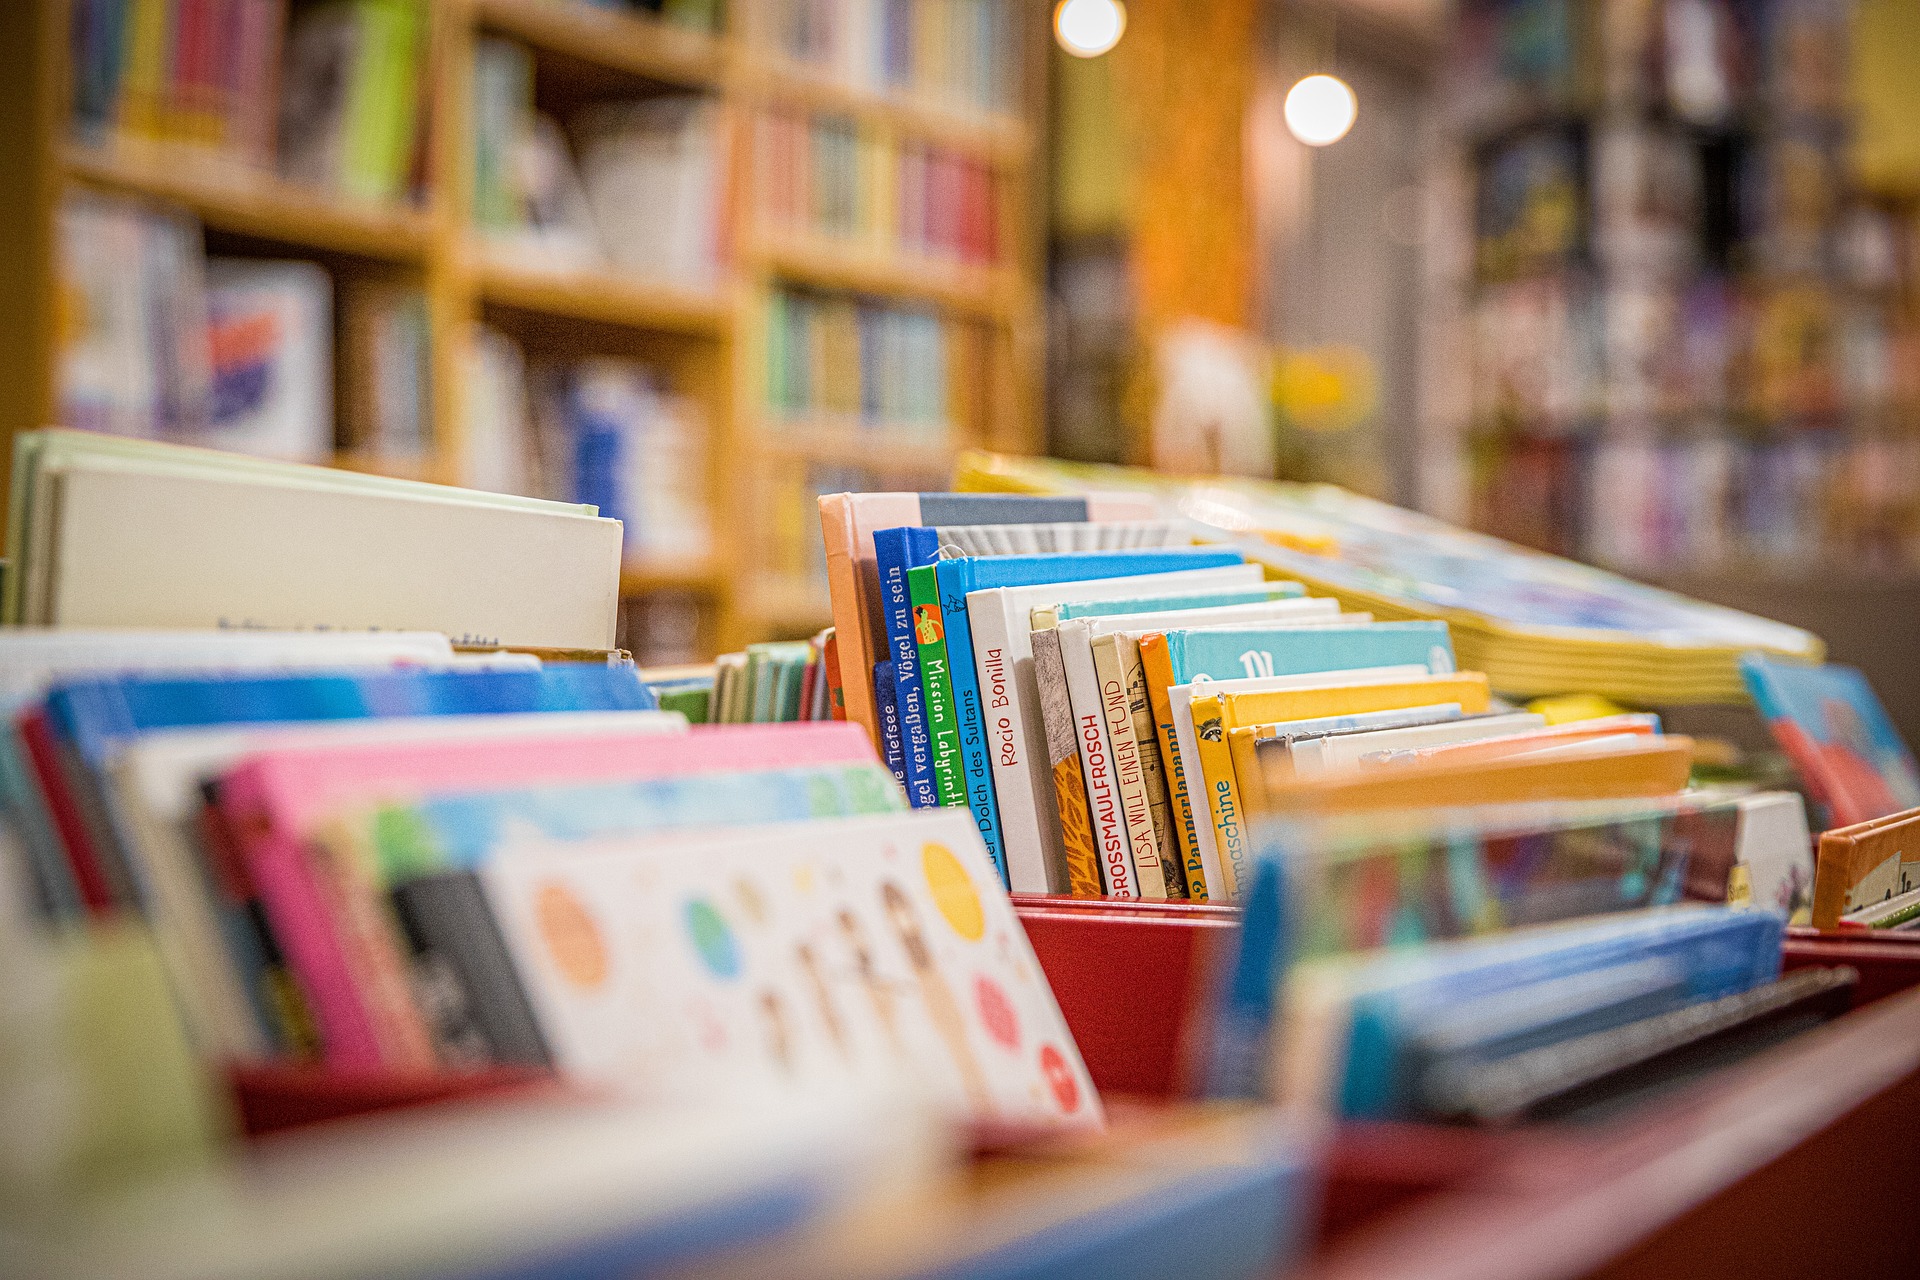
{"x":1262,"y":594}
{"x":270,"y":353}
{"x":229,"y":542}
{"x":904,"y":963}
{"x":1084,"y":877}
{"x":1373,"y":1013}
{"x":1863,"y":864}
{"x":848,"y":522}
{"x":1309,"y":751}
{"x":996,"y":676}
{"x":896,"y":552}
{"x":386,"y":371}
{"x":1838,"y":736}
{"x":891,"y":742}
{"x":654,"y":171}
{"x":349,"y":117}
{"x":943,"y":729}
{"x":1120,"y":872}
{"x":1123,"y":692}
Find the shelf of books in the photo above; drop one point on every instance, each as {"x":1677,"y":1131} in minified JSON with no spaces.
{"x":1285,"y":929}
{"x":533,"y":245}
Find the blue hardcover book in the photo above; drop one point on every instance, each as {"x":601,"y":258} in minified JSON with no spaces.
{"x":1402,"y":1001}
{"x":93,"y":715}
{"x":966,"y":574}
{"x":898,"y":550}
{"x":889,"y":718}
{"x":1234,"y":653}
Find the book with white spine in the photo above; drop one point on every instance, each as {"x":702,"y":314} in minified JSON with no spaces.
{"x":1124,"y":874}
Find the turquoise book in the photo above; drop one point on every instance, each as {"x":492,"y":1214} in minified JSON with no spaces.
{"x":960,"y":577}
{"x":1232,"y":653}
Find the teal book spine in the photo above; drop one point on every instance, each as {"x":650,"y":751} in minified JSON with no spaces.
{"x":943,"y":729}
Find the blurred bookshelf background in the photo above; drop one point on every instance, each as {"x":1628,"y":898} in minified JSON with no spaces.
{"x":1629,"y":281}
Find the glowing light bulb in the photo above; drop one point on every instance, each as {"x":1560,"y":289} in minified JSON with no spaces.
{"x":1088,"y":28}
{"x":1320,"y":110}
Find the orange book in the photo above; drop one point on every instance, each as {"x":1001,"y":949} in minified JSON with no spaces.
{"x":1865,"y":863}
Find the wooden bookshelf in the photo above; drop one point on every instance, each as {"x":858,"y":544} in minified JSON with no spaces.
{"x":708,"y":342}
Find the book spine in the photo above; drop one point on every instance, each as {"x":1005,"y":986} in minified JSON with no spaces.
{"x":1118,"y":713}
{"x":1246,"y":770}
{"x":961,"y":670}
{"x":943,"y":730}
{"x":849,"y":617}
{"x":1153,"y":776}
{"x":890,"y":749}
{"x":453,"y":933}
{"x":1063,"y":756}
{"x":1222,"y":792}
{"x":1029,"y":826}
{"x":830,"y":669}
{"x":83,"y":861}
{"x":1096,"y":761}
{"x":1158,"y":672}
{"x":897,"y":551}
{"x":373,"y":947}
{"x":301,"y":919}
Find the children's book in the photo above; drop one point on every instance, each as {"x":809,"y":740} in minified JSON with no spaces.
{"x":897,"y":552}
{"x":784,"y":960}
{"x":1865,"y":864}
{"x":936,"y":683}
{"x":1836,"y":732}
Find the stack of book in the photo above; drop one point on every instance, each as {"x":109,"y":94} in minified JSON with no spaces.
{"x":637,"y":187}
{"x":957,"y":53}
{"x":834,"y":359}
{"x":862,"y":186}
{"x":344,"y":77}
{"x":1535,"y":624}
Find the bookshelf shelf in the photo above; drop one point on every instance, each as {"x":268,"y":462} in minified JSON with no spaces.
{"x":615,"y":41}
{"x":981,"y":291}
{"x":772,"y":81}
{"x":251,"y":202}
{"x":887,"y":450}
{"x":601,"y":297}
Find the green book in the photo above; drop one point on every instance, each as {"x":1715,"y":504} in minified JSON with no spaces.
{"x":695,"y":702}
{"x":936,"y":688}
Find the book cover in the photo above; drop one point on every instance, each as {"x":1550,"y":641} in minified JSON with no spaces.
{"x":1865,"y":863}
{"x":1158,"y":674}
{"x":897,"y":959}
{"x":1084,"y":879}
{"x":896,"y":551}
{"x":1129,"y":771}
{"x":943,"y":729}
{"x":1230,"y":653}
{"x":1112,"y":840}
{"x":1837,"y":734}
{"x":1264,"y":594}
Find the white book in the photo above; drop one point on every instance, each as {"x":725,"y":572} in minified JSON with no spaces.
{"x":1001,"y":621}
{"x":1120,"y":875}
{"x":1029,"y":539}
{"x":1180,"y":702}
{"x":1774,"y":852}
{"x":133,"y":548}
{"x":153,"y":800}
{"x":1316,"y":755}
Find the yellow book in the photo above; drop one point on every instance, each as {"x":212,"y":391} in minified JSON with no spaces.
{"x":1158,"y":667}
{"x":1214,"y":715}
{"x":1650,"y":766}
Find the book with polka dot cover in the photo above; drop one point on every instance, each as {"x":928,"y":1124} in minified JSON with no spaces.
{"x":790,"y":958}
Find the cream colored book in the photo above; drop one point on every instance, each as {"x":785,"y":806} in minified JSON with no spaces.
{"x":154,"y":549}
{"x":1153,"y":859}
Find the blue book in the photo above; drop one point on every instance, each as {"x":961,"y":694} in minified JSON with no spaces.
{"x":1237,"y":652}
{"x":1183,"y":600}
{"x":889,"y":717}
{"x":898,"y":550}
{"x":95,"y":714}
{"x":959,"y":577}
{"x":1402,"y":1000}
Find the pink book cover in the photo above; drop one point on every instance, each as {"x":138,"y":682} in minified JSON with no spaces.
{"x":271,"y":801}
